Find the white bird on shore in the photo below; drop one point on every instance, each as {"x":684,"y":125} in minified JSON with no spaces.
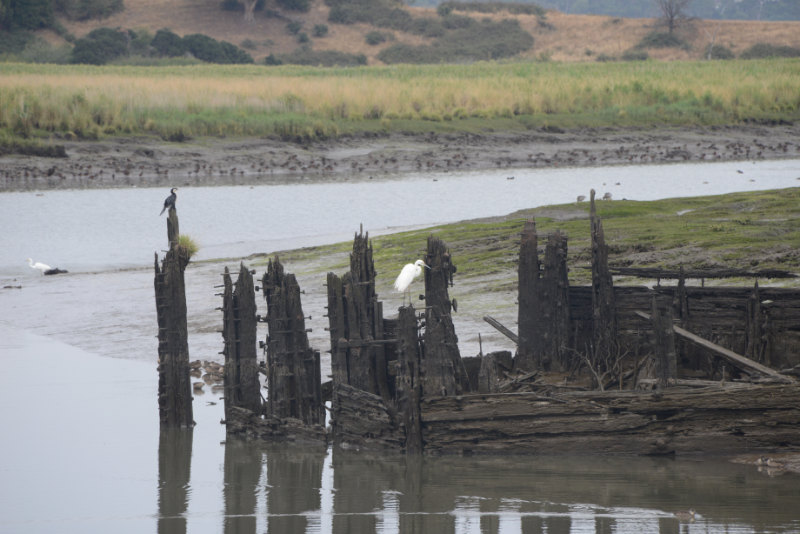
{"x":40,"y":266}
{"x":407,"y":275}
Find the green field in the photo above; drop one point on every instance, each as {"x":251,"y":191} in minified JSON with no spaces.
{"x":306,"y":103}
{"x":748,"y":231}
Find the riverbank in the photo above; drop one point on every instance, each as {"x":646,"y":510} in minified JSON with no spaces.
{"x":152,"y":162}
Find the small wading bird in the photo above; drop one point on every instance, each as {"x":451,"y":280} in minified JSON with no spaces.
{"x":407,"y":275}
{"x":40,"y":266}
{"x":170,"y":200}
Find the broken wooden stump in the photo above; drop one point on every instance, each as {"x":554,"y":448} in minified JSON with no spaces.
{"x":174,"y":381}
{"x":443,"y":372}
{"x":294,"y":388}
{"x":242,"y":386}
{"x":355,"y":315}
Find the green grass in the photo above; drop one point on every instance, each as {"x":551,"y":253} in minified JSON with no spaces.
{"x":752,"y":231}
{"x":305,"y":103}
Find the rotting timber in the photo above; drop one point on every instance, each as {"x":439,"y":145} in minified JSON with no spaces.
{"x":599,"y":368}
{"x":174,"y":384}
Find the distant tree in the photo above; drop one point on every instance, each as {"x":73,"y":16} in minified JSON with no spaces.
{"x":673,"y":13}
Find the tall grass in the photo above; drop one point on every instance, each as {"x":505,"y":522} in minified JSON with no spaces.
{"x":309,"y":102}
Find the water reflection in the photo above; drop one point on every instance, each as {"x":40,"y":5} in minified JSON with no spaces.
{"x":174,"y":470}
{"x":277,"y":489}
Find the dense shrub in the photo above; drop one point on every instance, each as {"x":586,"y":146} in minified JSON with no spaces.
{"x":294,"y":27}
{"x":375,"y":37}
{"x":320,"y":30}
{"x":635,"y":54}
{"x":14,"y":42}
{"x":208,"y":49}
{"x":303,"y":38}
{"x":661,"y":40}
{"x":484,"y":40}
{"x":100,"y":46}
{"x":295,"y":5}
{"x":764,"y":50}
{"x":718,"y":52}
{"x":27,"y":15}
{"x":168,"y":44}
{"x":383,"y":14}
{"x":88,"y":9}
{"x":324,"y":58}
{"x":515,"y":8}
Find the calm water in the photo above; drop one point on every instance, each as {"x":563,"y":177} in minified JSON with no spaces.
{"x":80,"y":447}
{"x":115,"y":228}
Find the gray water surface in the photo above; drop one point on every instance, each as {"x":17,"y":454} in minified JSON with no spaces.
{"x":81,"y":450}
{"x":89,"y":230}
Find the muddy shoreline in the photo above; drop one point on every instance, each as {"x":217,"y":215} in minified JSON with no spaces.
{"x":151,"y":162}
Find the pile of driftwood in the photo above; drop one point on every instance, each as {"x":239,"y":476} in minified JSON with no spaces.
{"x":598,"y":368}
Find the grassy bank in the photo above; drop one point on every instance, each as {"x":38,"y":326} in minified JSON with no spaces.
{"x":304,"y":103}
{"x":750,"y":231}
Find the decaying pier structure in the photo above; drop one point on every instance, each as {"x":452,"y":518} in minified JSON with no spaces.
{"x":598,"y":368}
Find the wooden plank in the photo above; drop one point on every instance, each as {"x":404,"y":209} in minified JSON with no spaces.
{"x":502,"y":329}
{"x":729,"y":355}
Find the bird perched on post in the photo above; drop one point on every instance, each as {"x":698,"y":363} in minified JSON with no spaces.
{"x":407,"y":275}
{"x":170,"y":200}
{"x":40,"y":266}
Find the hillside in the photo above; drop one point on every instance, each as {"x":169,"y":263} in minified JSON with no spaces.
{"x":563,"y":38}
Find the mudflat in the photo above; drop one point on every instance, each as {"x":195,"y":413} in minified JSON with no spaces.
{"x":152,"y":162}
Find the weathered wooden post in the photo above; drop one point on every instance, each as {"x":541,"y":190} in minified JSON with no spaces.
{"x":409,"y":387}
{"x":294,"y":386}
{"x":666,"y":358}
{"x":174,"y":384}
{"x":443,"y":371}
{"x":529,"y":307}
{"x":242,"y":387}
{"x":543,"y":314}
{"x":604,"y":321}
{"x":554,"y":325}
{"x":356,"y":324}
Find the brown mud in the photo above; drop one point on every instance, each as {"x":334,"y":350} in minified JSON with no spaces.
{"x":152,"y":162}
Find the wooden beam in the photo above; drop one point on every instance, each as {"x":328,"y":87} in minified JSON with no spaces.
{"x":736,"y":359}
{"x":502,"y":329}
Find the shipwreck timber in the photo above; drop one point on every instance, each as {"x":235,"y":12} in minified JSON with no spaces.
{"x":599,"y":368}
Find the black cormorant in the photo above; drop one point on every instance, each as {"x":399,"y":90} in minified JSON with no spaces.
{"x":169,"y":202}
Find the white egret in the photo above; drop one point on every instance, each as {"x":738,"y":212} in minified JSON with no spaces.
{"x":170,"y":200}
{"x":407,"y":275}
{"x":40,"y":266}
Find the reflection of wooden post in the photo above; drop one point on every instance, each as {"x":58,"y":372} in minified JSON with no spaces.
{"x":174,"y":385}
{"x":174,"y":467}
{"x":242,"y":387}
{"x":443,"y":371}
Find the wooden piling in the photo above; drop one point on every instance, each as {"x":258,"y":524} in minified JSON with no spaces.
{"x":528,"y":315}
{"x":242,"y":386}
{"x":666,"y":360}
{"x":355,"y":315}
{"x":174,"y":384}
{"x":443,"y":372}
{"x":409,"y":387}
{"x":604,"y":348}
{"x":293,"y":368}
